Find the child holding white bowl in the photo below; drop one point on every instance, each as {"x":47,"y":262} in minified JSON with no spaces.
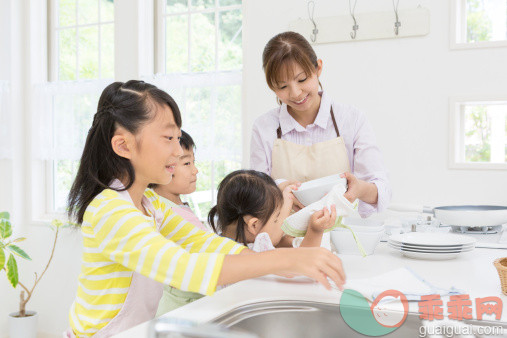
{"x":251,"y":209}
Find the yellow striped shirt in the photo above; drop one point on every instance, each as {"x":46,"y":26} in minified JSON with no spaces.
{"x":119,"y":239}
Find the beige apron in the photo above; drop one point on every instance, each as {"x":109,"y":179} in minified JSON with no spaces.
{"x":304,"y":163}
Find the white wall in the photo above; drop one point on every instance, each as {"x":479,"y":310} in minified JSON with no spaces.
{"x":403,"y":85}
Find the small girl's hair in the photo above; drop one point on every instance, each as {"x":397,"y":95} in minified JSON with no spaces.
{"x":283,"y":48}
{"x":129,"y":105}
{"x":241,"y":193}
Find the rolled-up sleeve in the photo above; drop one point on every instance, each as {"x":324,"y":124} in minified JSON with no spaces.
{"x":369,"y":166}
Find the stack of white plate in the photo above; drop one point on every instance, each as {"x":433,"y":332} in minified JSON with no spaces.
{"x":435,"y":246}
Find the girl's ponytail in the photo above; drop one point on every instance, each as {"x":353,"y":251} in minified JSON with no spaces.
{"x":129,"y":105}
{"x":211,"y":219}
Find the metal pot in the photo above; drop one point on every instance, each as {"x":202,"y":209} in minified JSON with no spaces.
{"x":461,"y":215}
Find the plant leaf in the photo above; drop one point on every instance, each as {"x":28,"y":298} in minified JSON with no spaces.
{"x":4,"y":214}
{"x":18,"y":251}
{"x":5,"y":228}
{"x":12,"y":271}
{"x":20,"y":239}
{"x":2,"y":259}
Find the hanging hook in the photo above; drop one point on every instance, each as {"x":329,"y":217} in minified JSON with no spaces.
{"x":315,"y":31}
{"x":355,"y":27}
{"x":397,"y":24}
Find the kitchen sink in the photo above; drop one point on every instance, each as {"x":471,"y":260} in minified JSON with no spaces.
{"x":313,"y":319}
{"x":300,"y":319}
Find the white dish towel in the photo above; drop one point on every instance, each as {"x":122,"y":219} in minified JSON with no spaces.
{"x":296,"y":224}
{"x":405,"y":280}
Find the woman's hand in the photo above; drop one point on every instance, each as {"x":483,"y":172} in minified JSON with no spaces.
{"x":359,"y":189}
{"x":322,"y":220}
{"x":296,"y":205}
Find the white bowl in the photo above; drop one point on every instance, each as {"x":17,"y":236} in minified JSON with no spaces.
{"x":312,"y":191}
{"x":368,"y":235}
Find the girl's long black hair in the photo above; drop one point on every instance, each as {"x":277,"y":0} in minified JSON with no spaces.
{"x":129,"y":105}
{"x":241,"y":193}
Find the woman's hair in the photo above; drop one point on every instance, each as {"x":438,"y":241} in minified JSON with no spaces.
{"x":241,"y":193}
{"x":129,"y":105}
{"x":281,"y":51}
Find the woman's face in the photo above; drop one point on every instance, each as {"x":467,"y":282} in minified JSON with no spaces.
{"x":299,"y":91}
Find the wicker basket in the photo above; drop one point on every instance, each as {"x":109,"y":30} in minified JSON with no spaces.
{"x":501,"y":266}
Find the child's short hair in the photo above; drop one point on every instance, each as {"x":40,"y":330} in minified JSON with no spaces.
{"x":241,"y":193}
{"x":186,"y":141}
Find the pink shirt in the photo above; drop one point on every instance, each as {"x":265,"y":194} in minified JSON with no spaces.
{"x":365,"y":158}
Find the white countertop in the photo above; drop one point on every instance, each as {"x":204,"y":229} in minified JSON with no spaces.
{"x":472,"y":272}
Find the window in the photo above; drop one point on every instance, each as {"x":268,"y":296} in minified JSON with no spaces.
{"x":5,"y":148}
{"x":479,"y":23}
{"x":81,"y":54}
{"x":82,"y":39}
{"x":199,"y":61}
{"x":479,"y":134}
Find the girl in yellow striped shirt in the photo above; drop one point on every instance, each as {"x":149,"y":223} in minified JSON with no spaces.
{"x":133,"y":242}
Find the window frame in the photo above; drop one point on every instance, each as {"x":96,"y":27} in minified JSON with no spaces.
{"x":215,"y":77}
{"x":42,"y":191}
{"x":53,"y":28}
{"x":456,"y":136}
{"x":160,"y":16}
{"x":458,"y":30}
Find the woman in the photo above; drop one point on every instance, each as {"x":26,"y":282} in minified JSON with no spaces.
{"x":309,"y":135}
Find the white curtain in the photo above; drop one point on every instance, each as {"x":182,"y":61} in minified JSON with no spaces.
{"x":62,"y":114}
{"x":210,"y":104}
{"x":5,"y":127}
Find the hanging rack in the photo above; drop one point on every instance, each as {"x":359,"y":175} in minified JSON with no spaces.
{"x":355,"y":27}
{"x":315,"y":31}
{"x":397,"y":24}
{"x":374,"y":25}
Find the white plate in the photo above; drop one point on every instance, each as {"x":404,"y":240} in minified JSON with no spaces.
{"x":432,"y":239}
{"x":425,"y":247}
{"x":429,"y":256}
{"x":431,"y":251}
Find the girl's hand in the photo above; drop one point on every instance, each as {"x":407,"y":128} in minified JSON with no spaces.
{"x":359,"y":189}
{"x":317,"y":263}
{"x":296,"y":205}
{"x":323,"y":219}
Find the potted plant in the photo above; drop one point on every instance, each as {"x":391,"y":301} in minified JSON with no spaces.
{"x":22,"y":323}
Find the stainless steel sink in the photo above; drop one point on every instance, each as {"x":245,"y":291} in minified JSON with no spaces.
{"x":300,"y":319}
{"x":312,"y":319}
{"x":309,"y":319}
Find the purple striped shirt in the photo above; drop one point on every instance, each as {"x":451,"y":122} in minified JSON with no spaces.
{"x":365,"y":158}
